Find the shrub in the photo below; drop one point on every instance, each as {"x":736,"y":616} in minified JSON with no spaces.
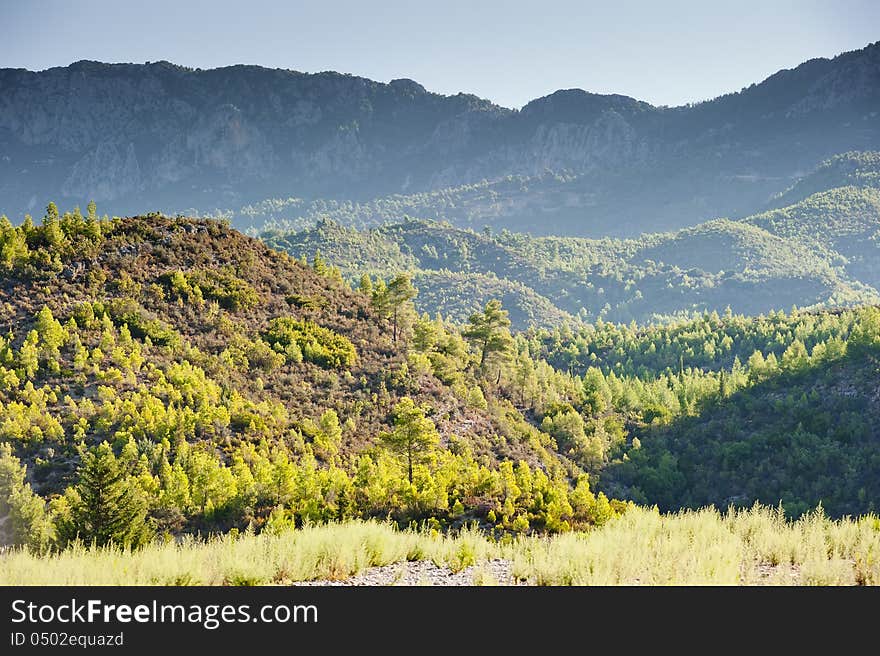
{"x":318,"y":345}
{"x":221,"y":285}
{"x":142,"y":323}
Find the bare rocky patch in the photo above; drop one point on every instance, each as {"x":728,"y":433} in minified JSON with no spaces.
{"x":425,"y":572}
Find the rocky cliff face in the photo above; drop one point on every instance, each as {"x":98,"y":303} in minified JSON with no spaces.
{"x":117,"y":130}
{"x":137,"y":137}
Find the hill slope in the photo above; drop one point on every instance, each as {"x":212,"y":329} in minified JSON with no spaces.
{"x":234,"y":385}
{"x":840,"y":226}
{"x":852,"y":169}
{"x":810,"y":435}
{"x":227,"y":385}
{"x":732,"y":410}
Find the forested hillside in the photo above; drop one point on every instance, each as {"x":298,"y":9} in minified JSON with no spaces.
{"x":537,"y":202}
{"x":213,"y":383}
{"x":728,"y":410}
{"x":851,"y":169}
{"x":823,"y":250}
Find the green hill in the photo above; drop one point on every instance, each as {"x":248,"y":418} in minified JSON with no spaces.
{"x":809,"y":435}
{"x":820,"y":251}
{"x":231,"y":386}
{"x":852,"y":169}
{"x":213,"y":383}
{"x":460,"y":294}
{"x":840,"y":226}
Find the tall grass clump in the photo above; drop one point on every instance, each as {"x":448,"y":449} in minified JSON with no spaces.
{"x":641,"y":547}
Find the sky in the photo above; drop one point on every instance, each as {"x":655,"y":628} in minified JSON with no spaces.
{"x":668,"y":52}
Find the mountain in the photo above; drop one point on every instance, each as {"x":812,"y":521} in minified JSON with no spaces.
{"x":819,"y":251}
{"x":159,"y":135}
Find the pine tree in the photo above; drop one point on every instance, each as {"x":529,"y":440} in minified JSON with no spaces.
{"x":29,"y":356}
{"x":366,"y":285}
{"x":319,"y":265}
{"x":489,"y":332}
{"x":51,"y":212}
{"x":392,"y":301}
{"x":107,"y":508}
{"x":53,"y":234}
{"x":414,"y":436}
{"x":400,"y":293}
{"x":865,"y":337}
{"x":597,"y":394}
{"x":93,"y":225}
{"x":329,"y":435}
{"x":13,"y":244}
{"x":51,"y":333}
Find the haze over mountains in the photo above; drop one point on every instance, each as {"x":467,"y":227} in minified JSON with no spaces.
{"x":160,"y":136}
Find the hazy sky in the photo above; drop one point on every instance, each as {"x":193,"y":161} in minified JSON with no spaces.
{"x":663,"y":51}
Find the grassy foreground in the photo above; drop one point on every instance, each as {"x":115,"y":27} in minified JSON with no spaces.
{"x":756,"y":546}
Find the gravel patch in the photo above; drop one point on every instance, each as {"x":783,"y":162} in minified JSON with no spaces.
{"x":425,"y":572}
{"x":786,"y":574}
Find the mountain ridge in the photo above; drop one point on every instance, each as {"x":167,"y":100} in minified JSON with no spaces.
{"x":132,"y":136}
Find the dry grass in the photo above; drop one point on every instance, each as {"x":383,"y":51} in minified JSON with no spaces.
{"x":756,"y":546}
{"x":751,"y":547}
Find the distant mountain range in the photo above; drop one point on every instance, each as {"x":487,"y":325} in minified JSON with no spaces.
{"x":136,"y":137}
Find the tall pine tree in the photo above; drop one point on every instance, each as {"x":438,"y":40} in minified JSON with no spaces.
{"x":414,"y":437}
{"x":489,"y":333}
{"x":107,"y":508}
